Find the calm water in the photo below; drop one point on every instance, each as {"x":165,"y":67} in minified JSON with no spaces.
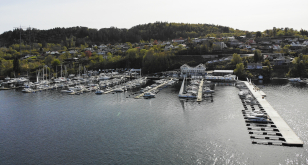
{"x":53,"y":128}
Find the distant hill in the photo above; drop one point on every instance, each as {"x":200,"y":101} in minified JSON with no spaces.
{"x":81,"y":35}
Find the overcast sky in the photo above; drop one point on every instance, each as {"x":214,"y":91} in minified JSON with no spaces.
{"x":239,"y":14}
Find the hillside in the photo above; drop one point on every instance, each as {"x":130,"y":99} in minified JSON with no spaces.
{"x":81,"y":35}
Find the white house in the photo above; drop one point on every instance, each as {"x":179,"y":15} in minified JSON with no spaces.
{"x":52,"y":52}
{"x":276,"y":47}
{"x":168,"y":47}
{"x":188,"y":70}
{"x":196,"y":40}
{"x":73,"y":51}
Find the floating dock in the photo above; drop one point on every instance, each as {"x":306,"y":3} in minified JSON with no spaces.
{"x":106,"y":92}
{"x":158,"y":86}
{"x":200,"y":91}
{"x":291,"y":139}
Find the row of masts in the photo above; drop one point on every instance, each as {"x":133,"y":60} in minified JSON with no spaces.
{"x":41,"y":74}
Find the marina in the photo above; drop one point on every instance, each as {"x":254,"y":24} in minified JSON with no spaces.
{"x":152,"y":89}
{"x":41,"y":126}
{"x":280,"y":127}
{"x":257,"y":109}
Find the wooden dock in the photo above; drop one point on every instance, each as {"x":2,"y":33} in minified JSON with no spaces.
{"x":158,"y":86}
{"x":106,"y":92}
{"x":291,"y":139}
{"x":5,"y":88}
{"x":200,"y":91}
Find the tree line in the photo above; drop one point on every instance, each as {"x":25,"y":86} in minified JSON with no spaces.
{"x":75,"y":36}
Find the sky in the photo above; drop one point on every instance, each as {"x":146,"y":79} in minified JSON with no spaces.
{"x":249,"y":15}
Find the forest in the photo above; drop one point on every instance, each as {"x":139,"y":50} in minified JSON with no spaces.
{"x":81,"y":35}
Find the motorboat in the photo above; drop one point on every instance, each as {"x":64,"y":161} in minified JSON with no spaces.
{"x":294,"y":79}
{"x":208,"y":91}
{"x":257,"y":119}
{"x":149,"y":94}
{"x":99,"y":92}
{"x":27,"y":90}
{"x":242,"y":94}
{"x":7,"y":78}
{"x":67,"y":91}
{"x":118,"y":89}
{"x":102,"y":76}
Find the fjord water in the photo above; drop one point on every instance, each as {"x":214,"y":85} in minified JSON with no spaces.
{"x":53,"y":128}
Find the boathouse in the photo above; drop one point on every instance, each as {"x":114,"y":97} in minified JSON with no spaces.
{"x":222,"y":72}
{"x":187,"y":70}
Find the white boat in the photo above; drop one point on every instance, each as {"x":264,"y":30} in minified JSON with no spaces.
{"x":102,"y":76}
{"x":27,"y":90}
{"x":99,"y":92}
{"x":208,"y":91}
{"x":149,"y":94}
{"x":294,"y":79}
{"x":77,"y":88}
{"x":7,"y":78}
{"x":68,"y":91}
{"x":242,"y":94}
{"x":118,"y":90}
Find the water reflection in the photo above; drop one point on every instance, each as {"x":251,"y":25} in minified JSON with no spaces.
{"x":118,"y":129}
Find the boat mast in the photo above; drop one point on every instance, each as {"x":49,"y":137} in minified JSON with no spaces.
{"x":43,"y":74}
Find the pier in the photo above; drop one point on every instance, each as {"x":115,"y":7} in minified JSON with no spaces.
{"x":158,"y":86}
{"x":200,"y":91}
{"x":282,"y":128}
{"x":182,"y":89}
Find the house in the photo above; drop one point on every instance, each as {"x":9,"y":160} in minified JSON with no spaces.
{"x":222,"y":72}
{"x":276,"y":47}
{"x":73,"y":51}
{"x":119,"y":46}
{"x":180,"y":40}
{"x":188,"y":70}
{"x":251,"y":42}
{"x":254,"y":66}
{"x":245,"y":46}
{"x":102,"y":46}
{"x":168,"y":47}
{"x":296,"y":46}
{"x":265,"y":43}
{"x":242,"y":37}
{"x":276,"y":41}
{"x":196,"y":40}
{"x":231,"y":38}
{"x":234,"y":43}
{"x":52,"y":52}
{"x":281,"y":61}
{"x":99,"y":52}
{"x":305,"y":43}
{"x":219,"y":45}
{"x":90,"y":49}
{"x":165,"y":43}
